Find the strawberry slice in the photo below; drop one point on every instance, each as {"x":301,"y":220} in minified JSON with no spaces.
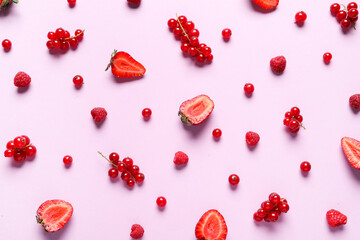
{"x":54,"y":214}
{"x":196,"y":110}
{"x":124,"y":66}
{"x":267,"y":4}
{"x":351,"y":148}
{"x":211,"y":226}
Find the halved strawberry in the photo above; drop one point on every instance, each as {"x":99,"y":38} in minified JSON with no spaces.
{"x":124,"y":66}
{"x":351,"y":148}
{"x":211,"y":226}
{"x":267,"y":4}
{"x":54,"y":214}
{"x":196,"y":110}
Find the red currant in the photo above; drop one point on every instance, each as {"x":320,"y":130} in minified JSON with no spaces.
{"x":6,"y":44}
{"x":139,"y":177}
{"x":273,"y":216}
{"x":295,"y":111}
{"x":288,"y":115}
{"x":300,"y":17}
{"x":355,"y":19}
{"x":305,"y":166}
{"x":59,"y":33}
{"x":353,"y":13}
{"x":274,"y":198}
{"x":51,"y":36}
{"x":128,"y":162}
{"x":294,"y":124}
{"x":79,"y":34}
{"x":66,"y":34}
{"x":182,"y":20}
{"x":172,"y":23}
{"x":226,"y":33}
{"x":185,"y":47}
{"x":194,"y":41}
{"x":161,"y":201}
{"x":334,"y":9}
{"x":121,"y":167}
{"x":177,"y":32}
{"x":257,"y":218}
{"x":352,"y":5}
{"x":67,"y":160}
{"x":234,"y":179}
{"x":78,"y":80}
{"x":56,"y":43}
{"x":194,"y":33}
{"x":27,"y":139}
{"x":193,"y":51}
{"x":72,"y":3}
{"x":19,"y":142}
{"x":10,"y":145}
{"x":64,"y":45}
{"x":184,"y":39}
{"x":327,"y":57}
{"x":266,"y":205}
{"x":188,"y":26}
{"x":287,"y":121}
{"x":73,"y":42}
{"x":114,"y":158}
{"x":9,"y":152}
{"x":113,"y":173}
{"x":249,"y":88}
{"x":261,"y":212}
{"x":134,"y":170}
{"x":19,"y":156}
{"x":217,"y":133}
{"x":146,"y":112}
{"x":345,"y":23}
{"x":341,"y":15}
{"x":30,"y":151}
{"x":284,"y":207}
{"x":209,"y":58}
{"x":299,"y":118}
{"x":200,"y":58}
{"x":125,"y":176}
{"x":49,"y":45}
{"x":206,"y":51}
{"x":130,"y":182}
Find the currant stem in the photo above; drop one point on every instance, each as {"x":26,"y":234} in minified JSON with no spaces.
{"x":23,"y":147}
{"x":177,"y":19}
{"x":75,"y":35}
{"x":107,"y":159}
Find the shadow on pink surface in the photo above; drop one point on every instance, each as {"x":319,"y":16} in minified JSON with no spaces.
{"x":55,"y":235}
{"x":123,"y":80}
{"x":196,"y":130}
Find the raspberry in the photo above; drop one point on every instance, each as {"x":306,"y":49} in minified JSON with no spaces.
{"x":252,"y":138}
{"x":98,"y":114}
{"x":137,"y":231}
{"x":181,"y":158}
{"x":22,"y":79}
{"x":354,"y":101}
{"x":278,"y":64}
{"x":335,"y":218}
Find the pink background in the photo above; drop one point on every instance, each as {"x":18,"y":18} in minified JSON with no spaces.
{"x":57,"y":118}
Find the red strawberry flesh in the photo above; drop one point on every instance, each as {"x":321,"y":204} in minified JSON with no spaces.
{"x":351,"y":148}
{"x":124,"y":66}
{"x":196,"y":110}
{"x":267,"y":4}
{"x":54,"y":214}
{"x":211,"y":226}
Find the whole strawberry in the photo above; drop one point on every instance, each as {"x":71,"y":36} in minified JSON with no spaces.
{"x":4,"y":4}
{"x":22,"y":79}
{"x":335,"y":218}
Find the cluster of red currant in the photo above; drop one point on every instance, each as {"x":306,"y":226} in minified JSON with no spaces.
{"x":61,"y":39}
{"x":130,"y":173}
{"x":271,"y":209}
{"x":346,"y":17}
{"x":185,"y":31}
{"x":293,"y":120}
{"x":20,"y":148}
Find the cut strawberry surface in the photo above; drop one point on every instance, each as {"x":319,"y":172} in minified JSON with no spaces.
{"x":196,"y":110}
{"x":267,"y":4}
{"x":211,"y":226}
{"x":351,"y":148}
{"x":124,"y":66}
{"x":54,"y":214}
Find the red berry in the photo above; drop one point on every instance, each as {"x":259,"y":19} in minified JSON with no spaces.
{"x":125,"y":176}
{"x":177,"y":32}
{"x":188,"y":26}
{"x":113,"y":172}
{"x":267,"y":205}
{"x":134,"y":1}
{"x":181,"y":158}
{"x":114,"y":158}
{"x":6,"y":44}
{"x":78,"y":80}
{"x":128,"y":162}
{"x":172,"y":23}
{"x":51,"y":36}
{"x":286,"y":121}
{"x":257,"y":218}
{"x":194,"y":41}
{"x":194,"y":33}
{"x":334,"y":9}
{"x":27,"y":139}
{"x":121,"y":167}
{"x":193,"y":51}
{"x":300,"y":17}
{"x":299,"y":118}
{"x":249,"y":88}
{"x":354,"y":101}
{"x":327,"y":57}
{"x":294,"y":124}
{"x":139,"y":177}
{"x":67,"y":160}
{"x":274,"y":198}
{"x":182,"y":20}
{"x":73,"y":41}
{"x":22,"y":79}
{"x":19,"y":142}
{"x":130,"y":182}
{"x":72,"y":3}
{"x":226,"y":33}
{"x":278,"y":64}
{"x":59,"y":33}
{"x":355,"y":19}
{"x":10,"y":144}
{"x":335,"y":218}
{"x":352,"y":5}
{"x":261,"y":212}
{"x":206,"y":51}
{"x":137,"y":231}
{"x":217,"y":133}
{"x":9,"y":153}
{"x":19,"y":156}
{"x":305,"y":166}
{"x":341,"y":15}
{"x":200,"y":58}
{"x":185,"y":47}
{"x":66,"y":34}
{"x":273,"y":216}
{"x":353,"y":13}
{"x":283,"y":207}
{"x":64,"y":45}
{"x":98,"y":114}
{"x":146,"y":113}
{"x":50,"y":45}
{"x":79,"y":34}
{"x":234,"y":179}
{"x":30,"y":151}
{"x":295,"y":111}
{"x":56,"y":43}
{"x":288,"y":115}
{"x":345,"y":23}
{"x":134,"y":170}
{"x":209,"y":58}
{"x":161,"y":201}
{"x":252,"y":138}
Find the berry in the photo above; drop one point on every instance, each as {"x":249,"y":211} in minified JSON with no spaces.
{"x":252,"y":138}
{"x":137,"y":231}
{"x":98,"y":114}
{"x":267,"y":4}
{"x":334,"y":9}
{"x":125,"y":176}
{"x":79,"y":34}
{"x":257,"y":218}
{"x":194,"y":41}
{"x":134,"y":1}
{"x":130,"y":182}
{"x":287,"y":121}
{"x":146,"y":112}
{"x":177,"y":32}
{"x":19,"y":142}
{"x":283,"y":207}
{"x":59,"y":33}
{"x":335,"y":218}
{"x":261,"y":212}
{"x":22,"y":79}
{"x":354,"y":101}
{"x":124,"y":66}
{"x":6,"y":43}
{"x":217,"y":133}
{"x":327,"y":57}
{"x":209,"y":58}
{"x":64,"y":45}
{"x":194,"y":33}
{"x":161,"y":202}
{"x":274,"y":198}
{"x":139,"y":177}
{"x":19,"y":156}
{"x":211,"y":225}
{"x":128,"y":162}
{"x":78,"y":80}
{"x":72,"y":3}
{"x":204,"y":106}
{"x":180,"y":158}
{"x":249,"y":88}
{"x":351,"y":148}
{"x":192,"y":51}
{"x":299,"y":118}
{"x":341,"y":15}
{"x":295,"y":111}
{"x":278,"y":64}
{"x":67,"y":160}
{"x":305,"y":166}
{"x":352,"y":5}
{"x":9,"y":153}
{"x":294,"y":124}
{"x":51,"y":36}
{"x":121,"y":166}
{"x":27,"y":139}
{"x":345,"y":23}
{"x":172,"y":23}
{"x":226,"y":33}
{"x":188,"y":26}
{"x":134,"y":169}
{"x":54,"y":214}
{"x":73,"y":42}
{"x":267,"y":205}
{"x":30,"y":151}
{"x":234,"y":179}
{"x":114,"y":158}
{"x":273,"y":216}
{"x":182,"y":20}
{"x":353,"y":13}
{"x":185,"y":47}
{"x":300,"y":17}
{"x":10,"y":145}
